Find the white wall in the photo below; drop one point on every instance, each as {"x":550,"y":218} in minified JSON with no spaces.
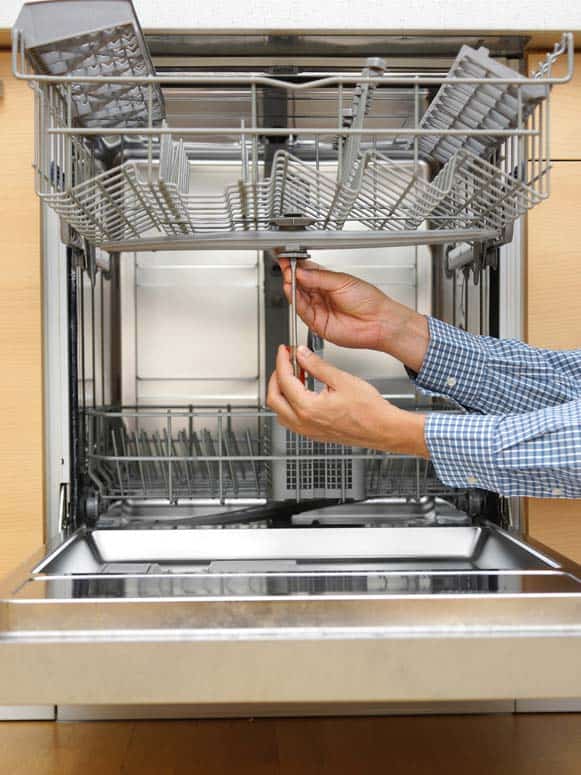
{"x":347,"y":15}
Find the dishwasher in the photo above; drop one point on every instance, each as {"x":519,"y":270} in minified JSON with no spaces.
{"x":197,"y":552}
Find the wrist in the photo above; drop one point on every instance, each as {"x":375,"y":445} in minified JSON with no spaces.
{"x":405,"y":335}
{"x":404,"y":432}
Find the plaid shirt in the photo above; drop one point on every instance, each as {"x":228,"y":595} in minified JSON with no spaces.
{"x":522,"y":432}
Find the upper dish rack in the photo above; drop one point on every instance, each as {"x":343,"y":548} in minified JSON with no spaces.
{"x":466,"y":167}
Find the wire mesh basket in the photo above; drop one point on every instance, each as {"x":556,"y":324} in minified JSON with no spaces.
{"x":477,"y":158}
{"x":234,"y":454}
{"x":134,"y":199}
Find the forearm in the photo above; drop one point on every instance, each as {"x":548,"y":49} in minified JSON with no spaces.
{"x":482,"y":373}
{"x":442,"y":360}
{"x":403,"y":433}
{"x":535,"y":454}
{"x":404,"y":334}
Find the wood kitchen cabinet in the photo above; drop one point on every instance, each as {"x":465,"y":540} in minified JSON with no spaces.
{"x":553,"y":319}
{"x":21,"y":510}
{"x":553,"y":313}
{"x":553,"y":316}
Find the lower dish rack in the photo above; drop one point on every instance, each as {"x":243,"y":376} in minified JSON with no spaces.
{"x":179,"y":454}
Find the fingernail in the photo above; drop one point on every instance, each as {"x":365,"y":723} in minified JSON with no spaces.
{"x":304,"y":351}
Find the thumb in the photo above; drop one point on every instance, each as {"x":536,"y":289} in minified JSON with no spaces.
{"x":318,"y":368}
{"x":302,"y":266}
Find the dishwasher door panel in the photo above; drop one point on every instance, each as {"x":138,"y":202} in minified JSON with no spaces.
{"x":414,"y":614}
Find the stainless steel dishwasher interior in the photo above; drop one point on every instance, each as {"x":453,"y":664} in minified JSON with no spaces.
{"x":172,"y":192}
{"x":295,"y":550}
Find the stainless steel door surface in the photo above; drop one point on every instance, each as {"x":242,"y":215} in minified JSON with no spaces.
{"x":170,"y":617}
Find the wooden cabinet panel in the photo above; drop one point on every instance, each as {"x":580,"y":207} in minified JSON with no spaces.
{"x":556,"y":524}
{"x":21,"y":502}
{"x":554,"y":320}
{"x":554,"y":263}
{"x":565,"y":110}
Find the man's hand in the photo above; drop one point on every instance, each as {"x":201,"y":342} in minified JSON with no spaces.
{"x":352,"y":313}
{"x":348,"y":411}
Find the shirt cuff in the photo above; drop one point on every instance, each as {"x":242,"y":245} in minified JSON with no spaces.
{"x":462,"y":448}
{"x":454,"y":364}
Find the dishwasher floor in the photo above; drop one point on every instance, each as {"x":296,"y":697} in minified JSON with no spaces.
{"x":465,"y":548}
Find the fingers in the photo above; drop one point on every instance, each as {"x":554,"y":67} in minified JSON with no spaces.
{"x":290,"y":386}
{"x":302,"y":265}
{"x":284,"y":263}
{"x":278,"y":403}
{"x":286,"y":395}
{"x":320,"y":369}
{"x":306,"y":304}
{"x":314,"y":278}
{"x":309,"y":265}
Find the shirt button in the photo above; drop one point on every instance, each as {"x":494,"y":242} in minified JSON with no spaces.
{"x":451,"y":381}
{"x":471,"y":480}
{"x":557,"y":491}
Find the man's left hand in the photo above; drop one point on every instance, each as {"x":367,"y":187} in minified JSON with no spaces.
{"x":347,"y":411}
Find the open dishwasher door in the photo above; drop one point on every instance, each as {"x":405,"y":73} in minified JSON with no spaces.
{"x":329,"y":615}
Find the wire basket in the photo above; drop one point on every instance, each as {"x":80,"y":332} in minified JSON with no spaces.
{"x":133,"y":200}
{"x":234,"y":454}
{"x":475,"y":160}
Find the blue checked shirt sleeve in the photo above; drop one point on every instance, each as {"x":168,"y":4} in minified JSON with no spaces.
{"x":534,"y":453}
{"x":489,"y":375}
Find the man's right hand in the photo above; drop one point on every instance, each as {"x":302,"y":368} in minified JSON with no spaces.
{"x":352,"y":313}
